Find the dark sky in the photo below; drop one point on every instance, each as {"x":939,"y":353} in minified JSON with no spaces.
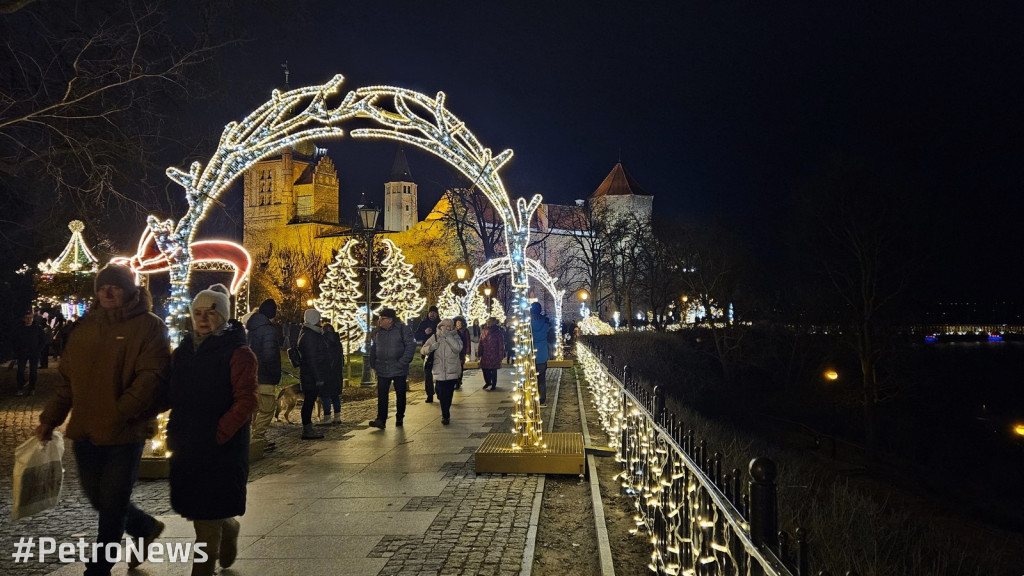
{"x":718,"y":108}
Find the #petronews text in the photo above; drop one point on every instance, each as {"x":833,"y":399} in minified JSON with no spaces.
{"x":132,"y":548}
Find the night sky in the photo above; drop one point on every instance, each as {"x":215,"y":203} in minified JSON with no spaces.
{"x":719,"y":109}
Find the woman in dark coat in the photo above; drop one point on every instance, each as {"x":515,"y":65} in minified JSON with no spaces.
{"x":463,"y":330}
{"x":314,"y":369}
{"x":213,"y":396}
{"x":492,"y":352}
{"x":330,"y":395}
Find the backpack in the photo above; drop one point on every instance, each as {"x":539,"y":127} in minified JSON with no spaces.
{"x":294,"y":356}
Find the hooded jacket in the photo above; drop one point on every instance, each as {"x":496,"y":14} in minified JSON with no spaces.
{"x":446,"y":345}
{"x":391,"y":350}
{"x":114,"y":370}
{"x":266,"y":345}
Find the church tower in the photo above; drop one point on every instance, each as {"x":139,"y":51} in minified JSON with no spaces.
{"x":400,"y":206}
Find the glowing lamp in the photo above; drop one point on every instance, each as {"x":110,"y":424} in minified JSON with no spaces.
{"x":831,"y":375}
{"x":301,"y":282}
{"x":461,"y":271}
{"x":1018,"y":429}
{"x":487,"y":291}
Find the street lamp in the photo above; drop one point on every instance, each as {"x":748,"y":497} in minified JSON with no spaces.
{"x":583,"y":296}
{"x":461,"y":271}
{"x":368,"y":214}
{"x":487,"y":297}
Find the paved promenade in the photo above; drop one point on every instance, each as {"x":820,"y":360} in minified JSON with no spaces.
{"x":362,"y":501}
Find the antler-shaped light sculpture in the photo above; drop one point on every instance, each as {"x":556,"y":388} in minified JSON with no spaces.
{"x":291,"y":117}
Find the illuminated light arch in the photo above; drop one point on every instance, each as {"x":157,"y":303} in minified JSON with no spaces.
{"x":303,"y":114}
{"x":534,"y":269}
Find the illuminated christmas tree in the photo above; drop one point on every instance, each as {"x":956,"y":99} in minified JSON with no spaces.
{"x":448,"y":303}
{"x":477,"y":309}
{"x":399,"y":288}
{"x":497,"y":311}
{"x":340,"y":297}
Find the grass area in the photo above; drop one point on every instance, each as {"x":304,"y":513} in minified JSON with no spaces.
{"x":352,"y":375}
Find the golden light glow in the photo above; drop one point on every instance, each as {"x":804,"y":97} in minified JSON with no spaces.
{"x":831,"y":375}
{"x":1018,"y":429}
{"x":461,"y":271}
{"x":301,"y":282}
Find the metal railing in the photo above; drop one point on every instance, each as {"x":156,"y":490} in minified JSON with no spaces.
{"x":699,"y":521}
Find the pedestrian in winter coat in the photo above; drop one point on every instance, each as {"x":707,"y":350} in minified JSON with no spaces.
{"x":463,"y":331}
{"x":113,"y":373}
{"x":265,"y":341}
{"x":543,"y":339}
{"x":492,"y":351}
{"x":425,"y":330}
{"x":28,"y":346}
{"x":391,"y":350}
{"x":213,"y":397}
{"x":330,"y":395}
{"x":446,"y":346}
{"x":314,"y":369}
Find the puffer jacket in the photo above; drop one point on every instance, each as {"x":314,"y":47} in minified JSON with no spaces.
{"x":114,"y":372}
{"x":265,"y":342}
{"x":316,"y":359}
{"x":391,"y":350}
{"x":446,"y":346}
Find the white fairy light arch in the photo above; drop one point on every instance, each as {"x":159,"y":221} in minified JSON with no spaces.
{"x":534,"y":269}
{"x":303,"y":114}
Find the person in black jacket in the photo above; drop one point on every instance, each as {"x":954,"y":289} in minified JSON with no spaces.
{"x":425,"y":330}
{"x":313,"y":369}
{"x":265,"y":341}
{"x":213,"y":396}
{"x":28,"y":345}
{"x":330,"y":394}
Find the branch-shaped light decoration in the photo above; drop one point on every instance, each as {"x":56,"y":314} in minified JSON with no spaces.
{"x":303,"y":114}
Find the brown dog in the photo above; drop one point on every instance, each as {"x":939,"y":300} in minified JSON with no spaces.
{"x":288,"y":398}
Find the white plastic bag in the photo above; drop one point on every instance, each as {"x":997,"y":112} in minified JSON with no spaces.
{"x":38,"y":475}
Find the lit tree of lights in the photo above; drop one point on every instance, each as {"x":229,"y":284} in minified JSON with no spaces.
{"x":448,"y":303}
{"x":477,"y":309}
{"x":340,"y":297}
{"x":303,"y":114}
{"x":399,"y":288}
{"x":76,"y":256}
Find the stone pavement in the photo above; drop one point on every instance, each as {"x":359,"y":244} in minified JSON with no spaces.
{"x":362,"y":501}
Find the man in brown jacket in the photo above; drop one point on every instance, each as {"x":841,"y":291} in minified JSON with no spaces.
{"x":115,"y":371}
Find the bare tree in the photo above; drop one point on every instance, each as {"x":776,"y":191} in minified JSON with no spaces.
{"x":625,"y":237}
{"x":584,"y":255}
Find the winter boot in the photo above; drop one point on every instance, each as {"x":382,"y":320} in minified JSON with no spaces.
{"x":337,"y":419}
{"x":229,"y":542}
{"x":310,"y":433}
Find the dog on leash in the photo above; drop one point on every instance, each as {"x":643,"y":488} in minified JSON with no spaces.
{"x":288,"y":398}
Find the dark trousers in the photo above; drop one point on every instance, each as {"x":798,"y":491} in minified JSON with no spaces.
{"x":490,"y":377}
{"x":328,"y":400}
{"x":33,"y":364}
{"x":428,"y":376}
{"x":383,"y":389}
{"x":107,"y":475}
{"x":309,"y":398}
{"x":542,"y":381}
{"x":44,"y":356}
{"x":445,"y":392}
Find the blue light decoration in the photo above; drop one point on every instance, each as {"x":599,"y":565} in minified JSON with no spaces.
{"x":930,"y":338}
{"x":995,"y":337}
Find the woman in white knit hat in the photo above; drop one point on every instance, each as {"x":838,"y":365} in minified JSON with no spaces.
{"x":213,"y":396}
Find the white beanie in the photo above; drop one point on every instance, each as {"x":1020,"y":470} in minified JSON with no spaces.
{"x":311,"y":317}
{"x":215,"y":298}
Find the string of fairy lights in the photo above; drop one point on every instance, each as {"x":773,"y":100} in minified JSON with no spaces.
{"x":75,"y":257}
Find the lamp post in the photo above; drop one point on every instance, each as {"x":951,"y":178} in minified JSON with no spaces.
{"x":487,"y":298}
{"x":583,"y":296}
{"x":368,"y":214}
{"x":461,"y":272}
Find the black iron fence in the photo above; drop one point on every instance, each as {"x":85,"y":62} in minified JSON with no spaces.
{"x":700,"y":519}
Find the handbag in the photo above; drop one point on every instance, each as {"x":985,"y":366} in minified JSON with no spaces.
{"x":38,"y":475}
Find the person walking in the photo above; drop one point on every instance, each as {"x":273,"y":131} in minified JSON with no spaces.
{"x":113,"y":374}
{"x":330,"y":395}
{"x":460,"y":328}
{"x":492,"y":352}
{"x":265,"y":341}
{"x":425,"y":330}
{"x":446,"y":347}
{"x":391,"y":350}
{"x":474,"y":341}
{"x":28,"y":345}
{"x":214,"y":379}
{"x":313,"y":369}
{"x":510,"y":342}
{"x":543,"y":338}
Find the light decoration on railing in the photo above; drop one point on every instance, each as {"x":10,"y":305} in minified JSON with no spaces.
{"x":76,"y":256}
{"x":689,"y":523}
{"x":503,"y":265}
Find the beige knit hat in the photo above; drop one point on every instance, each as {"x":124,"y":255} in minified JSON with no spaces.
{"x":215,"y":298}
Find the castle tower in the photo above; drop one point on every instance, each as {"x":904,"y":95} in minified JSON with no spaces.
{"x":619,"y":195}
{"x":400,"y":205}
